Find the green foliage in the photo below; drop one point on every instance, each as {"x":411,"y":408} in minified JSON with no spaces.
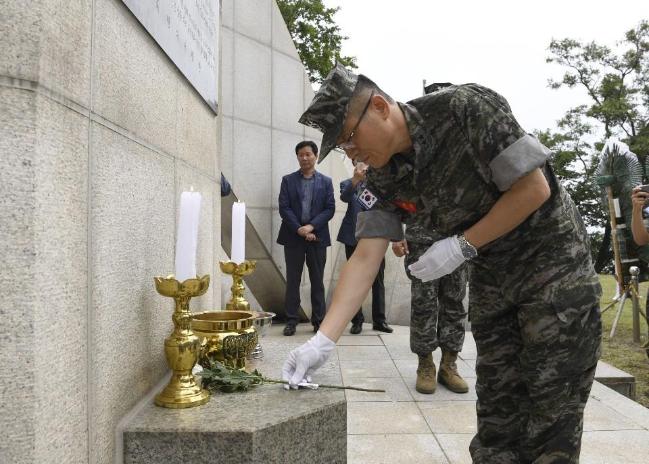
{"x":621,"y":351}
{"x":617,"y":84}
{"x":218,"y":377}
{"x":316,"y":36}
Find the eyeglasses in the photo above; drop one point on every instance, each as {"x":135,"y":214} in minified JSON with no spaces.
{"x":349,"y":143}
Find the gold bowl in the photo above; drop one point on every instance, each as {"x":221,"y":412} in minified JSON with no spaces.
{"x":225,"y":336}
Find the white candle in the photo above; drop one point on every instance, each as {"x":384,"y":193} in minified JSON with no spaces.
{"x":238,"y":232}
{"x":187,"y":239}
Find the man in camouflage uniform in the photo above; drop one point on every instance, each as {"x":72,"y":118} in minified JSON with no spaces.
{"x":436,"y":314}
{"x":457,"y":161}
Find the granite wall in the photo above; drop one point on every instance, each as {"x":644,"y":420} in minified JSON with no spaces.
{"x":99,"y":134}
{"x":264,"y":90}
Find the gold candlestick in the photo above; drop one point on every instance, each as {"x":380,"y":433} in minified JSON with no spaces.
{"x":237,"y":271}
{"x":182,"y":347}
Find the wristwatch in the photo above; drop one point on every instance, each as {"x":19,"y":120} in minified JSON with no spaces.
{"x":468,"y":250}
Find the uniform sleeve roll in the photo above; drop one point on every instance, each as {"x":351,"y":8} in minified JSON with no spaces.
{"x":518,"y":160}
{"x":384,"y":224}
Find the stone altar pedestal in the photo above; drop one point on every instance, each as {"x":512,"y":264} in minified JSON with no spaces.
{"x":264,"y":425}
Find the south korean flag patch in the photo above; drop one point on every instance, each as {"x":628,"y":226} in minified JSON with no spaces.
{"x":367,"y":199}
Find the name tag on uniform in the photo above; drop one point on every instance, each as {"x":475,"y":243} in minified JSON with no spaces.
{"x":367,"y":199}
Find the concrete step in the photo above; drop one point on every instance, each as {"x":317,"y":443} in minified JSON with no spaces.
{"x":616,"y":379}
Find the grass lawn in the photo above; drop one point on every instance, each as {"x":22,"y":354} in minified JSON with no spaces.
{"x":620,"y":351}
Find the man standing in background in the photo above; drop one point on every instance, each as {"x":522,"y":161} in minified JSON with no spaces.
{"x":350,"y":189}
{"x":306,"y":205}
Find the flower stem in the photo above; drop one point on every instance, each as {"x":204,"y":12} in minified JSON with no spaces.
{"x":339,"y":387}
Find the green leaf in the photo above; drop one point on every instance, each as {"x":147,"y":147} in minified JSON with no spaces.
{"x":316,"y":36}
{"x":615,"y":81}
{"x":218,"y":377}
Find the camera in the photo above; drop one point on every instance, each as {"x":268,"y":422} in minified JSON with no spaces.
{"x":645,"y":209}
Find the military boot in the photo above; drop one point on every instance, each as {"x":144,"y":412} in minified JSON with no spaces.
{"x":448,"y":375}
{"x":426,"y":382}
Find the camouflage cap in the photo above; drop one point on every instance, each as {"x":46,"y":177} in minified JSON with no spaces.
{"x":328,"y":108}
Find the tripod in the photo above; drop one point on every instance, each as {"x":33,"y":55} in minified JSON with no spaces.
{"x":629,"y":290}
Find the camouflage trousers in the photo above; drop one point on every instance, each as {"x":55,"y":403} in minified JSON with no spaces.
{"x":436,"y":311}
{"x":535,"y":368}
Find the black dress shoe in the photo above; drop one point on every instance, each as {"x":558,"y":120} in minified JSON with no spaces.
{"x":382,"y":327}
{"x":316,"y":327}
{"x":289,"y":330}
{"x":356,"y":328}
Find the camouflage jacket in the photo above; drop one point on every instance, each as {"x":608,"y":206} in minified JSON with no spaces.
{"x":416,"y":233}
{"x":467,"y":150}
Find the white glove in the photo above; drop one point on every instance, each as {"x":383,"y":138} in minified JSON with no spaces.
{"x":305,"y":359}
{"x":443,"y":257}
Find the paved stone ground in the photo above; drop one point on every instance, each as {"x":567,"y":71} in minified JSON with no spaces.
{"x":403,"y":426}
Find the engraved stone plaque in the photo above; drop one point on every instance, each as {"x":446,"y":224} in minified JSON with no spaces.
{"x":187,"y":31}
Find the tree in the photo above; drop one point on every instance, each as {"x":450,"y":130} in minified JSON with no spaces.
{"x":316,"y":36}
{"x":617,"y":84}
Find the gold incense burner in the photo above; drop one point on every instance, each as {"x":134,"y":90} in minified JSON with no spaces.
{"x":238,"y":271}
{"x":182,"y":346}
{"x":226,"y":336}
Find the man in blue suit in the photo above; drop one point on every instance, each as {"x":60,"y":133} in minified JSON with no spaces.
{"x":306,"y":204}
{"x":350,"y":190}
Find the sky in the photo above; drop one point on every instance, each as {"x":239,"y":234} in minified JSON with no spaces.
{"x":501,"y":44}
